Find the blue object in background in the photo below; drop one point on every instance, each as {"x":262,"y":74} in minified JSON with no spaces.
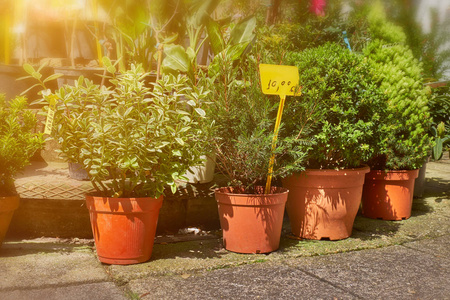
{"x":346,"y":40}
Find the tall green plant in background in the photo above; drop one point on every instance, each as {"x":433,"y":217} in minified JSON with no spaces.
{"x":406,"y":140}
{"x":428,"y":47}
{"x":183,"y":59}
{"x":440,"y":111}
{"x":133,"y":38}
{"x":179,"y":59}
{"x":380,"y":28}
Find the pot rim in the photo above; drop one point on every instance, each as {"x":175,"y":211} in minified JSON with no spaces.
{"x":95,"y":195}
{"x":392,"y":174}
{"x":282,"y":190}
{"x":334,"y":172}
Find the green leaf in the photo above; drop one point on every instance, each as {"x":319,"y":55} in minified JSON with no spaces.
{"x":108,"y":64}
{"x":180,"y":141}
{"x":176,"y":59}
{"x":200,"y":111}
{"x":29,"y":69}
{"x":191,"y":54}
{"x":191,"y":103}
{"x":243,"y":32}
{"x":235,"y":52}
{"x":173,"y":188}
{"x":53,"y":77}
{"x":437,"y":149}
{"x":37,"y":75}
{"x":215,"y":35}
{"x":201,"y":9}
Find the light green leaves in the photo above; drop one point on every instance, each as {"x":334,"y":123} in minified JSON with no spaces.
{"x":176,"y":59}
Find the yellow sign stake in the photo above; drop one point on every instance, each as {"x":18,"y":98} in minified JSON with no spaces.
{"x":50,"y":115}
{"x":282,"y":81}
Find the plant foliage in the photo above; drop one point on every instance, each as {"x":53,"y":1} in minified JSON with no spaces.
{"x":18,"y":140}
{"x":244,"y":118}
{"x":341,"y":108}
{"x":406,"y":141}
{"x":131,"y":140}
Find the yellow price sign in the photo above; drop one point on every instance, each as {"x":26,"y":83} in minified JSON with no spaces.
{"x":282,"y":81}
{"x":279,"y":80}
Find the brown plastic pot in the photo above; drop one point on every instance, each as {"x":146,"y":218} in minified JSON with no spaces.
{"x":323,"y":204}
{"x":388,"y":195}
{"x":124,"y":228}
{"x":7,"y":207}
{"x":251,"y":223}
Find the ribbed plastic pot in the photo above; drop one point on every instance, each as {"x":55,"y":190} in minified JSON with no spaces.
{"x":123,"y":228}
{"x":7,"y":207}
{"x":388,"y":195}
{"x":251,"y":223}
{"x":323,"y":204}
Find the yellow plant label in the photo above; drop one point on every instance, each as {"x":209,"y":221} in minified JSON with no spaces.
{"x":50,"y":116}
{"x":279,"y":80}
{"x":282,"y":81}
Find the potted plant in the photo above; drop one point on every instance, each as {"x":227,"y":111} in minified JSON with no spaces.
{"x":18,"y":144}
{"x":133,"y":143}
{"x":340,"y":110}
{"x":244,"y":119}
{"x":389,"y":187}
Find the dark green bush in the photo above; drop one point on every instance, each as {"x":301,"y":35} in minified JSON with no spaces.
{"x":341,"y":109}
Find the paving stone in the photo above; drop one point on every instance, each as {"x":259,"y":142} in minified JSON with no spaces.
{"x":42,"y":263}
{"x":260,"y":280}
{"x":439,"y":247}
{"x":394,"y":272}
{"x":97,"y":291}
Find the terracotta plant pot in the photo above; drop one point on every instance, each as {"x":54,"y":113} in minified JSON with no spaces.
{"x":388,"y":195}
{"x":7,"y":207}
{"x":251,"y":223}
{"x":123,"y":228}
{"x":323,"y":204}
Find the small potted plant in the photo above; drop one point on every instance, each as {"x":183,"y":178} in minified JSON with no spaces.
{"x":244,"y":118}
{"x":406,"y":143}
{"x":133,"y":143}
{"x":19,"y":143}
{"x":340,"y":110}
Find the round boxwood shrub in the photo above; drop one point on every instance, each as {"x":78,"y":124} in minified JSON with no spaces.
{"x":339,"y":113}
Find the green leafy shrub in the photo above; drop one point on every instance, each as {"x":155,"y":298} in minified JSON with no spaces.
{"x":406,"y":141}
{"x":341,"y":109}
{"x":244,"y":118}
{"x":132,"y":141}
{"x":18,"y":140}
